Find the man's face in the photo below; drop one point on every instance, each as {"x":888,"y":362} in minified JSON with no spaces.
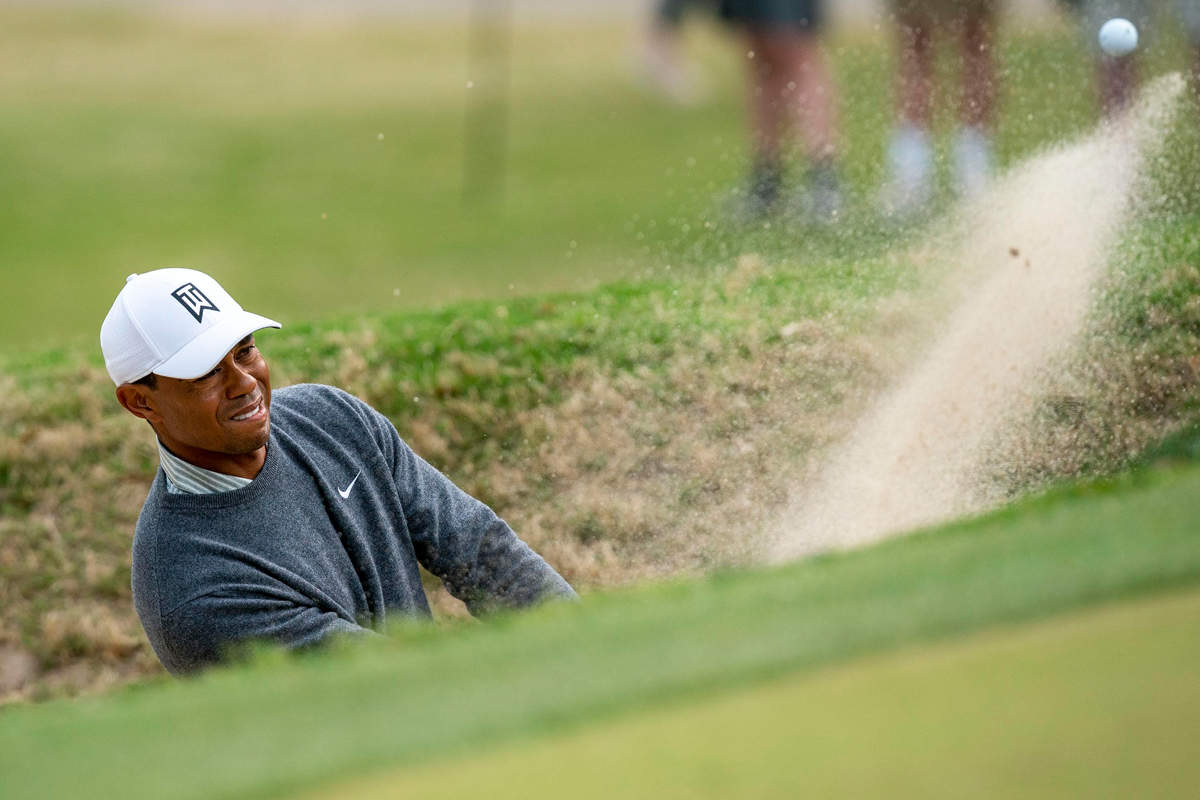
{"x":217,"y":419}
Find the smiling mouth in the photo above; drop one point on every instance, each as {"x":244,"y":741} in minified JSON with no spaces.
{"x":254,"y":412}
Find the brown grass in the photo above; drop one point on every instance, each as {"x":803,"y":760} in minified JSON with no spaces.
{"x":1117,"y":393}
{"x":629,"y":475}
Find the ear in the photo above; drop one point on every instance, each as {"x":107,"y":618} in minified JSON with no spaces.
{"x":138,"y":401}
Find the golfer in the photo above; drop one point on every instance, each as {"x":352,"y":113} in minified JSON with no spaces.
{"x":284,"y":516}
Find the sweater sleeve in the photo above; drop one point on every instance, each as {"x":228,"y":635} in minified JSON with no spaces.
{"x":462,"y":541}
{"x":203,"y":630}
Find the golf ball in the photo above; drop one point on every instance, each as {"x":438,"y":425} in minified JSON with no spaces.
{"x":1118,"y":37}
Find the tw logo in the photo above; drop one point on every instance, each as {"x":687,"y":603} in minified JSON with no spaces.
{"x":194,"y":300}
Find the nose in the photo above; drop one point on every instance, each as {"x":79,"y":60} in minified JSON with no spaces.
{"x":238,"y":380}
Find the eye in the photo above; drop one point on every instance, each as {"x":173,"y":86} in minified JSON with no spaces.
{"x":247,"y":351}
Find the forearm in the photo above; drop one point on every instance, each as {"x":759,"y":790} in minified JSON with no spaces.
{"x":504,"y":573}
{"x":461,"y":540}
{"x":204,"y":631}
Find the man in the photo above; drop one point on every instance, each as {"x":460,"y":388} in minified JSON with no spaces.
{"x":284,"y":516}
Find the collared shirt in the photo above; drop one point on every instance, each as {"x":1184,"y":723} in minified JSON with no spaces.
{"x":185,"y":478}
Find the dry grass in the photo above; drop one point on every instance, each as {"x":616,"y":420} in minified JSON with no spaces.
{"x":1134,"y":379}
{"x":71,"y":493}
{"x":615,"y":473}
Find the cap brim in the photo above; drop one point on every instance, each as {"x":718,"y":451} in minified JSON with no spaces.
{"x":204,"y":352}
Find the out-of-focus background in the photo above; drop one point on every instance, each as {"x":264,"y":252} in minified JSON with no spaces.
{"x":322,"y":153}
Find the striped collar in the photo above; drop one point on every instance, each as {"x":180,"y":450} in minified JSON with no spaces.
{"x":185,"y":478}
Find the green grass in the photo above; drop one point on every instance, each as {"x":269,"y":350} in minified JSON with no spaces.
{"x":280,"y":726}
{"x":253,"y":152}
{"x":1102,"y":703}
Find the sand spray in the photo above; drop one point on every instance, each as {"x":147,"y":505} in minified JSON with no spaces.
{"x":1024,"y":268}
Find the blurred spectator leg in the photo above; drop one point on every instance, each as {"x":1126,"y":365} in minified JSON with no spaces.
{"x":909,"y":182}
{"x":973,"y":145}
{"x":1116,"y":78}
{"x":1118,"y":83}
{"x":667,"y":70}
{"x":790,"y":101}
{"x":1188,"y":13}
{"x":809,"y":95}
{"x":1195,"y":48}
{"x":768,"y":77}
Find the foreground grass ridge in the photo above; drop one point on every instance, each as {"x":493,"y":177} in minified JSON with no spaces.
{"x":281,"y":725}
{"x":1101,"y":702}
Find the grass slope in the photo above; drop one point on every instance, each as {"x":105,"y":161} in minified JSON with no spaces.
{"x":1103,"y":703}
{"x":282,"y":725}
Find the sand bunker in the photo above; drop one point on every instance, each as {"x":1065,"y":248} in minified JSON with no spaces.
{"x":1025,"y":270}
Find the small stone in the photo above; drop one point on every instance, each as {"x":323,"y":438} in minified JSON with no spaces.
{"x":17,"y":668}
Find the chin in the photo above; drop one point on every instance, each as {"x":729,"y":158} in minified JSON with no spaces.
{"x":251,"y":442}
{"x":261,"y":440}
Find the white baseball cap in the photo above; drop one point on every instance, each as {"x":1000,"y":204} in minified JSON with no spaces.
{"x":178,"y":323}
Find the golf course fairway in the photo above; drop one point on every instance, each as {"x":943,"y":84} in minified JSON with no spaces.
{"x":1103,"y":703}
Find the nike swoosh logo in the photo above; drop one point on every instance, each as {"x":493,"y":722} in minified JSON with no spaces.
{"x":346,"y":492}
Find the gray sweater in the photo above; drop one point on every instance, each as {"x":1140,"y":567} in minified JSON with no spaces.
{"x":327,"y":538}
